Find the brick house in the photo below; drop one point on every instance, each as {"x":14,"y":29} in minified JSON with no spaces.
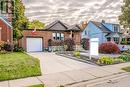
{"x":37,"y":40}
{"x":6,"y":31}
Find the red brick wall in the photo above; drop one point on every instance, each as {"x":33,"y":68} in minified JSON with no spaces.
{"x":76,"y":38}
{"x":46,"y":35}
{"x":6,"y":32}
{"x":28,"y":33}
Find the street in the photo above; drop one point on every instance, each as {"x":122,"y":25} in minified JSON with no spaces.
{"x":122,"y":80}
{"x":116,"y":82}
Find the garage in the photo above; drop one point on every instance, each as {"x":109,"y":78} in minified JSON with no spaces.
{"x":34,"y":44}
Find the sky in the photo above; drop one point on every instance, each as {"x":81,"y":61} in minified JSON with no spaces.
{"x":73,"y":11}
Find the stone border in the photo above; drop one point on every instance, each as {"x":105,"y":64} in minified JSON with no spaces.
{"x":77,"y":59}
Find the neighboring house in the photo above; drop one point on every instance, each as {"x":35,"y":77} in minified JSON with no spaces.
{"x":37,"y":40}
{"x":6,"y":9}
{"x":125,"y":36}
{"x":103,"y":31}
{"x":6,"y":32}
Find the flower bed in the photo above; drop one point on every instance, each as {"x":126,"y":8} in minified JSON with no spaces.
{"x":102,"y":61}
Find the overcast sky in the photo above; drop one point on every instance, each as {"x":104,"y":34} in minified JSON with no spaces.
{"x":73,"y":11}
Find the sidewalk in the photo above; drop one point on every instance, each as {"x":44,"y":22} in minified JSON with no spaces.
{"x":63,"y":71}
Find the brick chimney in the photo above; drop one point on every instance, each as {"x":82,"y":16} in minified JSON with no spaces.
{"x":83,"y":25}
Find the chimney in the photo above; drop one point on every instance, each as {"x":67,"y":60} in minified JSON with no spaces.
{"x":84,"y":24}
{"x":103,"y":21}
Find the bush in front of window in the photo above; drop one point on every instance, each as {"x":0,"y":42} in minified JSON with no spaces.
{"x":124,"y":42}
{"x":128,"y":42}
{"x":70,"y":44}
{"x":109,"y":48}
{"x":85,"y":43}
{"x":58,"y":43}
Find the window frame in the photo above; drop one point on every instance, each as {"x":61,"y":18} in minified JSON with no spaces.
{"x":116,"y":29}
{"x":58,"y":36}
{"x":116,"y":39}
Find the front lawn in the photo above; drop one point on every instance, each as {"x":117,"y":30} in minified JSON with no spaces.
{"x":18,"y":65}
{"x":127,"y":69}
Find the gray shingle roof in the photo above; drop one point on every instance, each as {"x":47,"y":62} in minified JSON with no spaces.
{"x":74,"y":27}
{"x":113,"y":33}
{"x":101,"y":27}
{"x":59,"y":26}
{"x":56,"y":25}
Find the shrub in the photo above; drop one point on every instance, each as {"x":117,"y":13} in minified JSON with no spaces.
{"x":1,"y":45}
{"x":7,"y":47}
{"x":128,"y":42}
{"x":70,"y":44}
{"x":49,"y":42}
{"x":76,"y":54}
{"x":57,"y":43}
{"x":124,"y":42}
{"x":106,"y":60}
{"x":124,"y":58}
{"x":118,"y":60}
{"x":109,"y":48}
{"x":17,"y":48}
{"x":85,"y":43}
{"x":126,"y":52}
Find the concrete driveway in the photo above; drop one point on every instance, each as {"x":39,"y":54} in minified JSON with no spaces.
{"x":52,"y":63}
{"x":58,"y":70}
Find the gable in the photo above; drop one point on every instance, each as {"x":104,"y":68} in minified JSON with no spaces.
{"x":90,"y":30}
{"x":56,"y":26}
{"x":110,"y":26}
{"x":101,"y":27}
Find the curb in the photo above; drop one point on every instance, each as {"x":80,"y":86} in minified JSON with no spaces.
{"x":97,"y":81}
{"x":81,"y":60}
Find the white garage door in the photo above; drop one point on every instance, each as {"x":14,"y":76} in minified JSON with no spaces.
{"x":34,"y":44}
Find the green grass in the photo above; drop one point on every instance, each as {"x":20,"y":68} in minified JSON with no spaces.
{"x":38,"y":85}
{"x":127,"y":69}
{"x":18,"y":65}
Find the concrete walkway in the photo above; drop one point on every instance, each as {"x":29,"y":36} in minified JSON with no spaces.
{"x":57,"y":70}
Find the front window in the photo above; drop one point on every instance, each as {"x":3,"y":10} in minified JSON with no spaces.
{"x":108,"y":39}
{"x":85,"y":32}
{"x":58,"y":36}
{"x":4,"y":6}
{"x":116,"y":40}
{"x":115,"y":28}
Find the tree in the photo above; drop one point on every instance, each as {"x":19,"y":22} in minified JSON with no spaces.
{"x":19,"y":20}
{"x":124,"y":18}
{"x":36,"y":24}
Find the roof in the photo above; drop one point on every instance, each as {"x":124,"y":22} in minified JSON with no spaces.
{"x":101,"y":26}
{"x":113,"y":34}
{"x":60,"y":26}
{"x":5,"y":20}
{"x":75,"y":27}
{"x":56,"y":25}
